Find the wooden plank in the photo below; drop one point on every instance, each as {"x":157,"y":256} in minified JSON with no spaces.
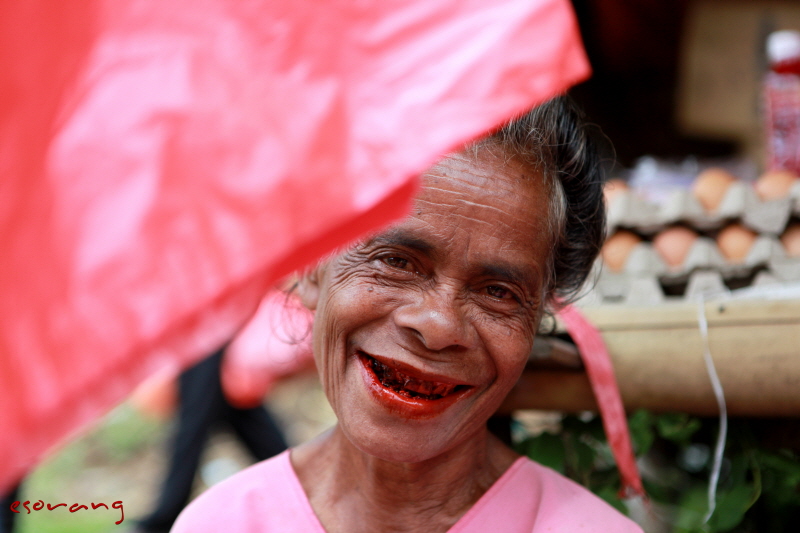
{"x":657,"y":353}
{"x":550,"y":391}
{"x":684,"y":314}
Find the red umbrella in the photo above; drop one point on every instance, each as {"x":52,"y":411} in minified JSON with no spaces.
{"x":163,"y":163}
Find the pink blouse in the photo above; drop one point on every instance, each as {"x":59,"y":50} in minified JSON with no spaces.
{"x":528,"y":498}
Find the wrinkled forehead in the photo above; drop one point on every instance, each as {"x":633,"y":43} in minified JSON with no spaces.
{"x":482,"y":197}
{"x":488,"y":186}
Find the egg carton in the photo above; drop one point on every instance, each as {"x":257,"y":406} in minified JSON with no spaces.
{"x":642,"y":291}
{"x":639,"y":290}
{"x":785,"y":269}
{"x":705,"y":255}
{"x":646,"y":278}
{"x":740,"y":202}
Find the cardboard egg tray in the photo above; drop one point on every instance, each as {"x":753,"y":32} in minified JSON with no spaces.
{"x":646,"y":279}
{"x":740,"y":202}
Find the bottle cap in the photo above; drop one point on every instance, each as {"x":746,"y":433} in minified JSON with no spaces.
{"x":783,"y":45}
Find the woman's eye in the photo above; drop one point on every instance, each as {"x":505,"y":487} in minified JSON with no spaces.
{"x":396,"y":262}
{"x":498,"y":292}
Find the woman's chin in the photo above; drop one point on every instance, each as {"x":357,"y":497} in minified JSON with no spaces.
{"x":396,"y":451}
{"x":408,"y":443}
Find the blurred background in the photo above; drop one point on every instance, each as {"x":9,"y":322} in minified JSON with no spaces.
{"x":681,"y":78}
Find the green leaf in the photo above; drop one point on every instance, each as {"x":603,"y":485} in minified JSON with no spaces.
{"x":610,"y":496}
{"x":640,"y":425}
{"x":691,"y":509}
{"x":677,"y":427}
{"x":787,"y":466}
{"x":731,"y":507}
{"x":548,"y":450}
{"x":585,"y":455}
{"x":729,"y":512}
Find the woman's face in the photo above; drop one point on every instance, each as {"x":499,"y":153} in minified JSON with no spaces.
{"x":421,"y":330}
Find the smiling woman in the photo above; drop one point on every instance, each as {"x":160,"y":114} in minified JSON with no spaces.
{"x":419,"y":334}
{"x":449,"y":298}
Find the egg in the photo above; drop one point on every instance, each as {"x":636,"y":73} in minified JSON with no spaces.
{"x":791,"y":240}
{"x":673,"y":244}
{"x":775,"y":184}
{"x":710,"y":186}
{"x":617,"y":248}
{"x":613,"y":188}
{"x":735,"y":241}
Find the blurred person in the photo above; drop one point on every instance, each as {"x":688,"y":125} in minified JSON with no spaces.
{"x":227,"y":388}
{"x":7,"y":516}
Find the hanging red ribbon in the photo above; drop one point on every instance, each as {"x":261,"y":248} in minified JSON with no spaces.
{"x":597,"y":362}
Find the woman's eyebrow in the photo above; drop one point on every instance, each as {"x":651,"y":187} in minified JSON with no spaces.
{"x":520,"y":276}
{"x":399,"y":237}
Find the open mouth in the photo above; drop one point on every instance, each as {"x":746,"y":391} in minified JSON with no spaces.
{"x":407,"y":386}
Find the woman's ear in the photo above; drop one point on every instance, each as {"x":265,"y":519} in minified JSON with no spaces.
{"x":308,"y":288}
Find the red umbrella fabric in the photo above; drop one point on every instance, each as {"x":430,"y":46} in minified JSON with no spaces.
{"x":163,"y":163}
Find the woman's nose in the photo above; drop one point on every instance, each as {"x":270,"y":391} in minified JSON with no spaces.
{"x":436,"y":318}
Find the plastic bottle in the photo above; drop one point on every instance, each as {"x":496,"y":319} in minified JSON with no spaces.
{"x":782,"y":101}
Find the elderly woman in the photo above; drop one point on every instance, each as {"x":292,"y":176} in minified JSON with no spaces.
{"x":420,"y":332}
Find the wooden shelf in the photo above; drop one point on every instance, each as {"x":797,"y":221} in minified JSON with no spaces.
{"x":657,"y":354}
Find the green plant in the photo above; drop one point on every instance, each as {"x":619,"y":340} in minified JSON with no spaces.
{"x":759,"y":487}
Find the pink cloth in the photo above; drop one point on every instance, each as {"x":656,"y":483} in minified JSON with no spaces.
{"x":528,"y":498}
{"x":275,"y":343}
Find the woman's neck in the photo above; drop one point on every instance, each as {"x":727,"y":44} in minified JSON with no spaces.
{"x":352,"y":491}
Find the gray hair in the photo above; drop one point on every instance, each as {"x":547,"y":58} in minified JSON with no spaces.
{"x":553,"y":139}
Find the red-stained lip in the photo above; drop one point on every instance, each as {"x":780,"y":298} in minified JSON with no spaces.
{"x":407,"y":390}
{"x":411,"y":371}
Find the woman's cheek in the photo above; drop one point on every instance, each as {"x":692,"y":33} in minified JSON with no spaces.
{"x":508,"y":329}
{"x":324,"y":344}
{"x":511,"y":347}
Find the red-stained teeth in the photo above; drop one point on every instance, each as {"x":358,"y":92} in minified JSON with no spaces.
{"x":403,"y":384}
{"x":428,"y":388}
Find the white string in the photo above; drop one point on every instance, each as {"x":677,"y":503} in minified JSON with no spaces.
{"x":719,"y":448}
